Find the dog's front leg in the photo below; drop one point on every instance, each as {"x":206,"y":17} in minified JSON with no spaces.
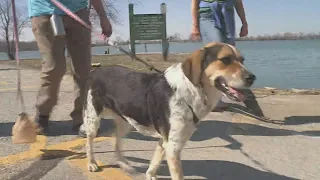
{"x":155,"y":162}
{"x":173,"y":154}
{"x":92,"y":123}
{"x":180,"y":132}
{"x":92,"y":164}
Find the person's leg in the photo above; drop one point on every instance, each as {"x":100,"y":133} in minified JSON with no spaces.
{"x":209,"y":33}
{"x":52,"y":70}
{"x":228,"y":15}
{"x":79,"y":47}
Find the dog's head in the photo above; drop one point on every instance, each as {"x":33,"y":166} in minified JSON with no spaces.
{"x":219,"y":65}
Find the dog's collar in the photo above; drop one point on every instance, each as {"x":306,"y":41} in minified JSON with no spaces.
{"x":195,"y":117}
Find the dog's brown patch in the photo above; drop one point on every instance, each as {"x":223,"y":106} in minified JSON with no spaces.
{"x":191,"y":66}
{"x":220,"y":57}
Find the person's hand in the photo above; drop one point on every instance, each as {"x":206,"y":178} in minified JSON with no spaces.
{"x":106,"y":27}
{"x":244,"y":30}
{"x":195,"y":34}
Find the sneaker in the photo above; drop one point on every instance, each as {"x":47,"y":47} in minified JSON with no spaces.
{"x":42,"y":122}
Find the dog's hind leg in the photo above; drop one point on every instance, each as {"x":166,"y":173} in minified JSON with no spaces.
{"x":155,"y":162}
{"x":122,"y":129}
{"x":92,"y":123}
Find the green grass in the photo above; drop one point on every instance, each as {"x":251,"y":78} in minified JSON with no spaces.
{"x":106,"y":60}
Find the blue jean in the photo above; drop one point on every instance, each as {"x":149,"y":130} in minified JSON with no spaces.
{"x":210,"y":33}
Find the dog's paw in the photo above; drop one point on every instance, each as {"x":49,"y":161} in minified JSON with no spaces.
{"x":126,"y":166}
{"x":93,"y":167}
{"x":151,"y":177}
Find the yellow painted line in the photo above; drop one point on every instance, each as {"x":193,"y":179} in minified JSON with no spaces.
{"x":40,"y":144}
{"x":14,"y":89}
{"x":3,"y":82}
{"x":69,"y":145}
{"x":104,"y":174}
{"x":107,"y":173}
{"x":34,"y":151}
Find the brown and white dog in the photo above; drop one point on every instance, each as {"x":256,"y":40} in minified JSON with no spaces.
{"x":167,"y":105}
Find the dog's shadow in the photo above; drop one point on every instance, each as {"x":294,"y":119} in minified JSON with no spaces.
{"x":208,"y":169}
{"x":300,"y":120}
{"x":213,"y":169}
{"x":206,"y":129}
{"x":224,"y":130}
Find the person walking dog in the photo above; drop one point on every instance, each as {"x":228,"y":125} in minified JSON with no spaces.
{"x":53,"y":31}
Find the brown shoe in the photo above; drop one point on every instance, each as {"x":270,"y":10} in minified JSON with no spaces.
{"x":42,"y":122}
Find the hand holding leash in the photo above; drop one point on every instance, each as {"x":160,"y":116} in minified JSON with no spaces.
{"x":106,"y":27}
{"x":105,"y":32}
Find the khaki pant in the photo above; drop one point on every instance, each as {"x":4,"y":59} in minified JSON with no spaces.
{"x":52,"y":50}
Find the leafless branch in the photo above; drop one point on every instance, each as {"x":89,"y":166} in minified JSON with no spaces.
{"x":112,"y":11}
{"x":7,"y":25}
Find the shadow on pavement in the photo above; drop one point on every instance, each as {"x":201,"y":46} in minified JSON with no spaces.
{"x":212,"y":129}
{"x":206,"y":129}
{"x":210,"y":169}
{"x":299,"y":120}
{"x":37,"y":170}
{"x":48,"y":161}
{"x":252,"y":103}
{"x":214,"y":169}
{"x":58,"y":128}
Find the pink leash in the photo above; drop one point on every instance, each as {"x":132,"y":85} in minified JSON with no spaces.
{"x":16,"y":37}
{"x":71,"y":14}
{"x":75,"y":17}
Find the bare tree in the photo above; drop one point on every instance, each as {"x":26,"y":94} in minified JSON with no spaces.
{"x":111,"y":9}
{"x":6,"y":20}
{"x":7,"y":26}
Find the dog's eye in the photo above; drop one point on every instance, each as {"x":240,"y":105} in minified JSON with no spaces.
{"x":241,"y":60}
{"x":226,"y":60}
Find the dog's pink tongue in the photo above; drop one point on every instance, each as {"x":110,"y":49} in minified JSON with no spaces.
{"x":239,"y":95}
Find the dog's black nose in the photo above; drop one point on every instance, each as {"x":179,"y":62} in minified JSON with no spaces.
{"x":250,"y":78}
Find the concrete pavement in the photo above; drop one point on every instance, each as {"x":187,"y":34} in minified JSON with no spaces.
{"x":226,"y":146}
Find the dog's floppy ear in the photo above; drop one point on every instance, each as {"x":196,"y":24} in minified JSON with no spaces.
{"x":199,"y":60}
{"x":192,"y":66}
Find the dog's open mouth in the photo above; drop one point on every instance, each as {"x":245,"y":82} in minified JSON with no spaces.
{"x":230,"y":92}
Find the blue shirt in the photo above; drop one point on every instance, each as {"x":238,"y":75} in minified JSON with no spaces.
{"x":221,"y":12}
{"x":46,"y":7}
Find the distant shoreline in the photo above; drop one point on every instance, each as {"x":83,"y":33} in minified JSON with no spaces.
{"x":156,"y":60}
{"x":32,"y":46}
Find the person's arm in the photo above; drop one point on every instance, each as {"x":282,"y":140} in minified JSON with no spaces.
{"x":241,"y":12}
{"x":104,"y":21}
{"x":98,"y":7}
{"x":194,"y":13}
